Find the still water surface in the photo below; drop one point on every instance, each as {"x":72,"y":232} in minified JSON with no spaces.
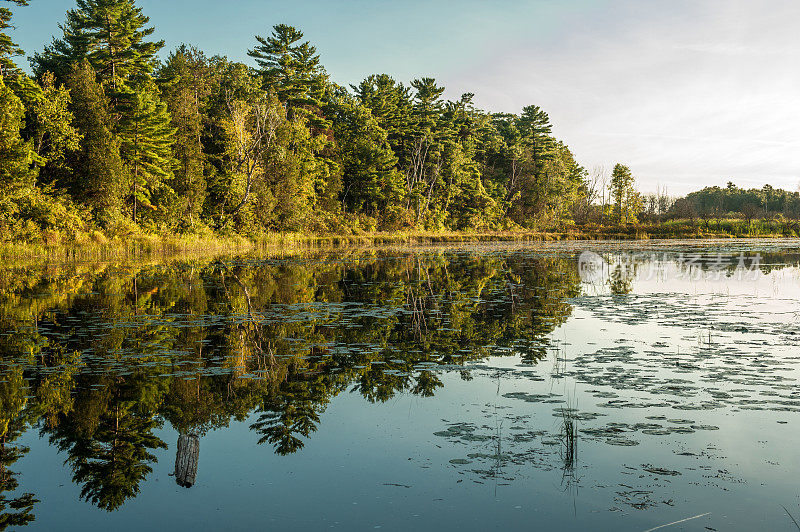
{"x":425,"y":388}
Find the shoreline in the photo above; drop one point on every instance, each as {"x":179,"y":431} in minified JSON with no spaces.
{"x":135,"y":246}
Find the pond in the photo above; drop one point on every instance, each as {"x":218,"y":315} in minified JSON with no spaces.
{"x":568,"y":386}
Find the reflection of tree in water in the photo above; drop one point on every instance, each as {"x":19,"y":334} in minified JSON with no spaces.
{"x":291,"y":412}
{"x":16,"y":509}
{"x":200,"y":345}
{"x":625,"y":267}
{"x":620,"y":280}
{"x":109,"y":449}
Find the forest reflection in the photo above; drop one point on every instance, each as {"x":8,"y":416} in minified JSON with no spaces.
{"x":97,"y":357}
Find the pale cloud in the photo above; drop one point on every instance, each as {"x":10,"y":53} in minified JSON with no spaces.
{"x":686,"y":93}
{"x":736,"y":49}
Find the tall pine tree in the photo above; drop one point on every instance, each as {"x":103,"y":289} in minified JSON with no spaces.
{"x":99,"y":178}
{"x":291,"y":68}
{"x":8,"y":48}
{"x":110,"y":34}
{"x":188,"y":79}
{"x":146,"y":144}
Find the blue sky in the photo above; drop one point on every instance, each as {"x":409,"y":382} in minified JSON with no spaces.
{"x":686,"y":93}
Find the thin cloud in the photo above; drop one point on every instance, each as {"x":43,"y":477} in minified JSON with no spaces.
{"x":685,"y":93}
{"x":736,"y":49}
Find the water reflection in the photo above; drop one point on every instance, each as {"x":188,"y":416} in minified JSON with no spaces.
{"x":15,"y":509}
{"x":111,"y":353}
{"x":99,"y":357}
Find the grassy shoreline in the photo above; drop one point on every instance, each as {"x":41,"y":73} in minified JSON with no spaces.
{"x":203,"y":245}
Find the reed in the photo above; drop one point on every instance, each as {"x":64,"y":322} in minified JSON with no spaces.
{"x":569,"y":440}
{"x":791,"y":517}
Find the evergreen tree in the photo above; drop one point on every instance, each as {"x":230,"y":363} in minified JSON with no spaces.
{"x":305,"y":183}
{"x":390,"y":104}
{"x":427,"y":104}
{"x":111,"y":458}
{"x":564,"y":184}
{"x":111,"y":35}
{"x":535,"y":129}
{"x":424,"y":166}
{"x":188,"y":78}
{"x":22,"y":85}
{"x":370,"y":180}
{"x":8,"y":48}
{"x":534,"y":125}
{"x":466,"y":203}
{"x":286,"y":417}
{"x":623,"y":192}
{"x":146,"y":145}
{"x":291,"y":68}
{"x":99,"y":178}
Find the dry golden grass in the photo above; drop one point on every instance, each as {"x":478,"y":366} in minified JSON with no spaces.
{"x":96,"y":246}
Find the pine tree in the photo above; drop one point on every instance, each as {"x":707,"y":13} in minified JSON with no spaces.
{"x":188,"y":78}
{"x":623,"y":192}
{"x":291,"y":68}
{"x":115,"y":456}
{"x":8,"y":48}
{"x":389,"y":102}
{"x":98,"y":178}
{"x":146,"y":144}
{"x":287,"y":416}
{"x":391,"y":105}
{"x":465,"y":201}
{"x":22,"y":85}
{"x":111,"y":35}
{"x":534,"y":125}
{"x":310,"y":181}
{"x":370,"y":181}
{"x":535,"y":128}
{"x":427,"y":105}
{"x":423,"y":172}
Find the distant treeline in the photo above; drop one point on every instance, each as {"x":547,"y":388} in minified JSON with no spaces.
{"x":715,"y":203}
{"x":106,"y":138}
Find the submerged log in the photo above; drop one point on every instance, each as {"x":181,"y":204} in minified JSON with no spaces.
{"x":186,"y":460}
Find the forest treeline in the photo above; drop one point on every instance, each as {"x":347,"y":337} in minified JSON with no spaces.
{"x":106,"y":139}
